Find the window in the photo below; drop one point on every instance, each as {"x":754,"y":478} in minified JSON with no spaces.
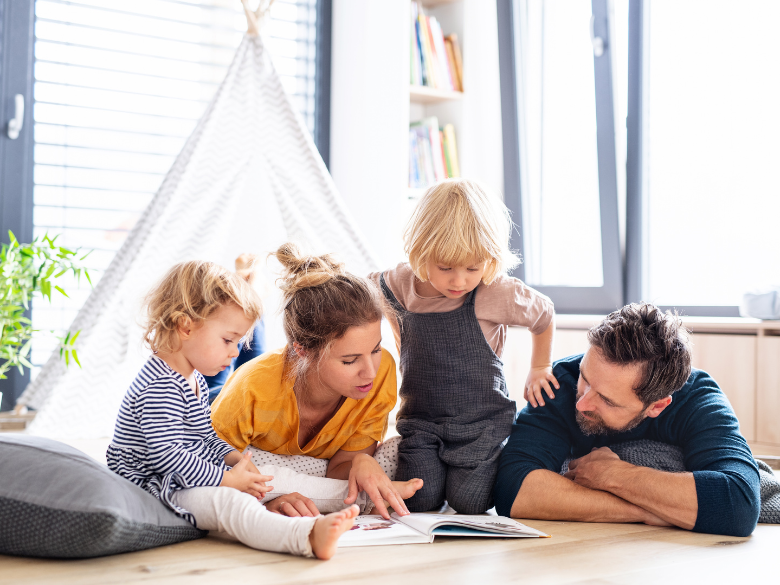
{"x":713,"y":117}
{"x":694,"y":169}
{"x":561,"y":173}
{"x":118,"y":89}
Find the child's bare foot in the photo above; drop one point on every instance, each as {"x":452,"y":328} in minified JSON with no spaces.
{"x":408,"y":488}
{"x":327,"y":529}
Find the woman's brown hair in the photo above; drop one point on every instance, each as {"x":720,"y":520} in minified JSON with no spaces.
{"x":321,"y":302}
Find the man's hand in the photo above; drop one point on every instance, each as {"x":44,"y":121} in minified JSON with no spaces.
{"x":366,"y":475}
{"x":595,"y":469}
{"x":293,"y":504}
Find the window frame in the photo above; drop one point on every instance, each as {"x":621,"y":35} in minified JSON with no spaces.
{"x":17,"y":61}
{"x":567,"y":299}
{"x":17,"y":20}
{"x":636,"y":167}
{"x":625,"y":278}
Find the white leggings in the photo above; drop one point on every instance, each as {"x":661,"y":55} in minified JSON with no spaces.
{"x":242,"y":517}
{"x":306,"y":475}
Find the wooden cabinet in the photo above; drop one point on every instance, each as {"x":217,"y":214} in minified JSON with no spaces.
{"x":517,"y":355}
{"x":768,"y":390}
{"x":731,"y":361}
{"x":742,"y":355}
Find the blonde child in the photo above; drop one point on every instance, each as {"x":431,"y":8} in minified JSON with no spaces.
{"x":164,"y":441}
{"x":454,"y":302}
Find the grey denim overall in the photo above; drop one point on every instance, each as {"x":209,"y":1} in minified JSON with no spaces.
{"x":455,"y":413}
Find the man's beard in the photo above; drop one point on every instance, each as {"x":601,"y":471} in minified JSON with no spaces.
{"x":598,"y":427}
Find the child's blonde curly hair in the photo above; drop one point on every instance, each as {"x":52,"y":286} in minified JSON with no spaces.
{"x":458,"y":223}
{"x":190,"y":292}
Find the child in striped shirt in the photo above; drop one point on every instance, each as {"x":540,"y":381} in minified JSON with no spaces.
{"x":164,"y":441}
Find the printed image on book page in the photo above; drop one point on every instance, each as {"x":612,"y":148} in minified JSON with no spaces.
{"x":375,"y":530}
{"x":423,"y":528}
{"x":465,"y":525}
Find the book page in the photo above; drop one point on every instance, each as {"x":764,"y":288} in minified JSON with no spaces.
{"x":507,"y":527}
{"x":374,"y":530}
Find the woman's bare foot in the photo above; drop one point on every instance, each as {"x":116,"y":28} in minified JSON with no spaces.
{"x":327,"y":529}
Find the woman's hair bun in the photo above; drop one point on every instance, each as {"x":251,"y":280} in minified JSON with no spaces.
{"x":304,"y":271}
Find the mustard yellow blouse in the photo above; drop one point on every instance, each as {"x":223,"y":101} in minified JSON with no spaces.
{"x":257,"y":406}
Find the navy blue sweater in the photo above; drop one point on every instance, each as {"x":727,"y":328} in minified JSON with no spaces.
{"x":699,"y":420}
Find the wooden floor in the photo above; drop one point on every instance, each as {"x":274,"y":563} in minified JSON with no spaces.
{"x":576,"y":553}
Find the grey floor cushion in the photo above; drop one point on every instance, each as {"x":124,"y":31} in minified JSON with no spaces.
{"x":56,"y":501}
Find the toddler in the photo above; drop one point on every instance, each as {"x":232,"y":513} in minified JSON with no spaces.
{"x":164,"y":440}
{"x":454,"y":302}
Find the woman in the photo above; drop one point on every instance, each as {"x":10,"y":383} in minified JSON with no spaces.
{"x":326,"y":395}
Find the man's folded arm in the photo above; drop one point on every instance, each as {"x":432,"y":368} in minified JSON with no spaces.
{"x":726,"y":475}
{"x":729,"y":503}
{"x":546,"y":495}
{"x":539,"y":440}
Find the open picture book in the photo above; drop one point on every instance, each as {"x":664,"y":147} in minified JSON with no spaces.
{"x":423,"y":528}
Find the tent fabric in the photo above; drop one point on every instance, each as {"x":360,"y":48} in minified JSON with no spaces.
{"x":248,"y":179}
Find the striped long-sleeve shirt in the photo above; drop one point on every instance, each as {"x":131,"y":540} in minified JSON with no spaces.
{"x":163,"y":440}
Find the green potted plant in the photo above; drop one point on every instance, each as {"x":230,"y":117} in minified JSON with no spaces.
{"x":26,"y":270}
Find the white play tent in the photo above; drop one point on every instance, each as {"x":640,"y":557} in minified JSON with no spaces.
{"x":248,"y":179}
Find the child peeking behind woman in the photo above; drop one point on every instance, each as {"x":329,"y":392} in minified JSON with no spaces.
{"x":454,"y":302}
{"x":164,"y":441}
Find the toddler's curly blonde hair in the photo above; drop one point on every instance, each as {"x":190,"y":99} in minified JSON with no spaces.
{"x":458,"y":223}
{"x":191,"y":291}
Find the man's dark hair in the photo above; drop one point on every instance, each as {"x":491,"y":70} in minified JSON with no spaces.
{"x":640,"y":333}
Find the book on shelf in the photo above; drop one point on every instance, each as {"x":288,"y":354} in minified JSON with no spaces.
{"x":423,"y":528}
{"x":433,"y":153}
{"x":435,"y":59}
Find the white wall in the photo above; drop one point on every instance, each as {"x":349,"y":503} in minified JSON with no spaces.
{"x":370,"y":114}
{"x":370,"y":109}
{"x":481,"y":150}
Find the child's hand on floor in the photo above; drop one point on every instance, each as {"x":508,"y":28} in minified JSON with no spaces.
{"x":246,"y":479}
{"x":539,"y":377}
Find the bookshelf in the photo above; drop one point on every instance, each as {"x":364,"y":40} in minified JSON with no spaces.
{"x":373,"y":104}
{"x":425,"y":101}
{"x":446,"y":105}
{"x":419,"y":94}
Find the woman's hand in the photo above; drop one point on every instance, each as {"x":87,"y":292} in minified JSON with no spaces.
{"x":539,"y":378}
{"x":245,"y":478}
{"x":367,"y":475}
{"x":293,"y":504}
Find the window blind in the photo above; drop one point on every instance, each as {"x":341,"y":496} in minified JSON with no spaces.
{"x":118,"y":89}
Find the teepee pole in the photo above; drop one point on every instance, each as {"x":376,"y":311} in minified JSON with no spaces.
{"x":255,"y":19}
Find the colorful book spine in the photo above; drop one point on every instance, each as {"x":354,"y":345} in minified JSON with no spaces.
{"x":458,"y":82}
{"x":438,"y":160}
{"x":433,"y":153}
{"x":435,"y":60}
{"x":414,"y":49}
{"x":442,"y":61}
{"x":451,"y":150}
{"x":457,"y":58}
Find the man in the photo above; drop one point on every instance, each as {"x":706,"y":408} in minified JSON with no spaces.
{"x":634,"y":382}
